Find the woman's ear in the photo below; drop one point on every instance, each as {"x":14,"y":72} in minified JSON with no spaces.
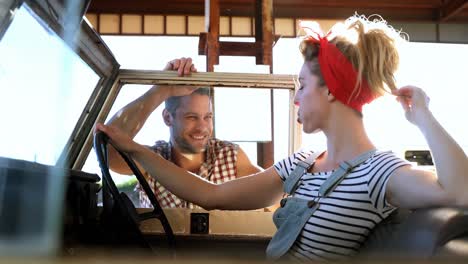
{"x":331,"y":97}
{"x":167,"y":117}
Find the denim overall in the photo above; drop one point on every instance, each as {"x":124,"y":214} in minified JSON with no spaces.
{"x":294,"y":212}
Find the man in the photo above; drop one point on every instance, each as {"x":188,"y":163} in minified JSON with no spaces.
{"x":188,"y":113}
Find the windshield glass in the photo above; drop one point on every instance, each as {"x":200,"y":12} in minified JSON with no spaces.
{"x":44,"y":88}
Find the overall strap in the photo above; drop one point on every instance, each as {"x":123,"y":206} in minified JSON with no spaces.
{"x":293,"y":179}
{"x":297,"y":211}
{"x":344,"y":168}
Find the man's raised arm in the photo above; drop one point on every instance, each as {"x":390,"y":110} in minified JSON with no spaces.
{"x":131,"y":118}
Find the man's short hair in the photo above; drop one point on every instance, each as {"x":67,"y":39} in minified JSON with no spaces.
{"x":173,"y":102}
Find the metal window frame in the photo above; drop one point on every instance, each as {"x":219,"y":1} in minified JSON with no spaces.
{"x":7,"y":13}
{"x":98,"y":56}
{"x":211,"y":79}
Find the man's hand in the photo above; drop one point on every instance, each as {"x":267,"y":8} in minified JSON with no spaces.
{"x":183,"y":66}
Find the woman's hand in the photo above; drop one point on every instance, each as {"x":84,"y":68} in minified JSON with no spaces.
{"x":414,"y":101}
{"x":119,"y":139}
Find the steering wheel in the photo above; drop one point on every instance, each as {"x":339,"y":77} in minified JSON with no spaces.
{"x":101,"y":141}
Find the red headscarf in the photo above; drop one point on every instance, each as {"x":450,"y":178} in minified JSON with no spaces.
{"x":338,"y":72}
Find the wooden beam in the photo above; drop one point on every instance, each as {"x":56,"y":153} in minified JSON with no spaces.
{"x":228,"y":48}
{"x":338,"y":13}
{"x":392,"y":10}
{"x":452,"y":8}
{"x":243,"y":7}
{"x":461,"y":17}
{"x":175,"y":7}
{"x":360,"y":3}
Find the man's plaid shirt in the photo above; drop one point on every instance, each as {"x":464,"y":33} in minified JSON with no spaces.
{"x":220,"y":166}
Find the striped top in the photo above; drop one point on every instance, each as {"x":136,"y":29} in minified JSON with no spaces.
{"x":345,"y":218}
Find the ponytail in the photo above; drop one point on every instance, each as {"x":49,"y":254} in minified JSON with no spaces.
{"x":373,"y":52}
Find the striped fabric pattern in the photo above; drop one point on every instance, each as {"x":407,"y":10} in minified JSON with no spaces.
{"x":220,"y":166}
{"x":344,"y":219}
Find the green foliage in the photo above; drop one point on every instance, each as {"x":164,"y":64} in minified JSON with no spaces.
{"x":127,"y":186}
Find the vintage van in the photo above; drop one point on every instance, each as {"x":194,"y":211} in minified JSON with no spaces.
{"x":65,"y":65}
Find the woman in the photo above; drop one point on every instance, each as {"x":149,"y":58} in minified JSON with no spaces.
{"x":337,"y":78}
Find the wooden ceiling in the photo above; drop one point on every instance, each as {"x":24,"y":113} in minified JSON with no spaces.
{"x":420,"y":11}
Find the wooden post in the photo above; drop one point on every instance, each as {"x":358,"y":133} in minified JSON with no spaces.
{"x":212,"y":27}
{"x":264,"y":32}
{"x":212,"y":42}
{"x":264,"y":55}
{"x":210,"y":46}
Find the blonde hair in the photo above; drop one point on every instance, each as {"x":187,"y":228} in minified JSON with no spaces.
{"x":369,"y":46}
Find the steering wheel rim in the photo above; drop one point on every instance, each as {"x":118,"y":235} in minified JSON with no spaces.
{"x":101,"y":141}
